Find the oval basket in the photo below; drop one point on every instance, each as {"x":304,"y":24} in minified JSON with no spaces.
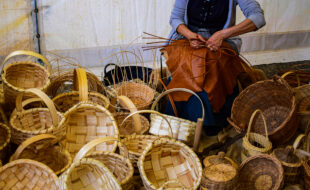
{"x":5,"y":137}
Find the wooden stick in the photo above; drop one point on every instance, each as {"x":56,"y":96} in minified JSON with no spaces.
{"x":198,"y":134}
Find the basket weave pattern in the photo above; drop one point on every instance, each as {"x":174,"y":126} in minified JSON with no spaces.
{"x":127,"y":127}
{"x":5,"y":137}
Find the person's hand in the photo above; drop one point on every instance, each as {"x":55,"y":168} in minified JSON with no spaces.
{"x":215,"y":41}
{"x":196,"y":41}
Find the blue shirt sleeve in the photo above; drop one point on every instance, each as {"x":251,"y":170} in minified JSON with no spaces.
{"x":178,"y":14}
{"x":252,"y":10}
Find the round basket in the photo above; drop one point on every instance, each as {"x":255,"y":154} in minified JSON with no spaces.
{"x":5,"y":137}
{"x":276,"y":99}
{"x":21,"y":75}
{"x":127,"y":127}
{"x":42,"y":148}
{"x":220,"y":158}
{"x":27,"y":174}
{"x":120,"y":166}
{"x":167,"y":159}
{"x":306,"y":166}
{"x":254,"y":143}
{"x":88,"y":174}
{"x":290,"y":163}
{"x":261,"y":172}
{"x":36,"y":121}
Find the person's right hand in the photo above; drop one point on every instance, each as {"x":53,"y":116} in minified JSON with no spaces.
{"x":197,"y":41}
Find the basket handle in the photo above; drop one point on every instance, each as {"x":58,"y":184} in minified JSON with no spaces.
{"x":80,"y":84}
{"x":26,"y":102}
{"x":48,"y":102}
{"x":251,"y":122}
{"x":92,"y":144}
{"x":171,"y":182}
{"x":149,"y":111}
{"x":298,"y":140}
{"x":178,"y":90}
{"x":26,"y":52}
{"x":29,"y":141}
{"x":292,"y":72}
{"x":281,"y":80}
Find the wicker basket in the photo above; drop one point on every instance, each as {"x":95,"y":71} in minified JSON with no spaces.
{"x":183,"y":130}
{"x":5,"y":137}
{"x":88,"y":174}
{"x":42,"y":148}
{"x":220,"y":158}
{"x":306,"y":166}
{"x":120,"y":166}
{"x":254,"y":143}
{"x":27,"y":174}
{"x":302,"y":146}
{"x":127,"y":127}
{"x":173,"y":185}
{"x":35,"y":121}
{"x":167,"y":159}
{"x":276,"y":99}
{"x":80,"y":94}
{"x":260,"y":172}
{"x":21,"y":75}
{"x":296,"y":78}
{"x":303,"y":105}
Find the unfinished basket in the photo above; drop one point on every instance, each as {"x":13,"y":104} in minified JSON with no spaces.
{"x":167,"y":159}
{"x":119,"y":165}
{"x":88,"y":174}
{"x":183,"y":130}
{"x":276,"y":99}
{"x":254,"y":143}
{"x":27,"y":174}
{"x":36,"y":121}
{"x":5,"y":137}
{"x":43,"y":148}
{"x":261,"y":172}
{"x":21,"y":75}
{"x":306,"y":166}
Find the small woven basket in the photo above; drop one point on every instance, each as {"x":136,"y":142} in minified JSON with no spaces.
{"x":22,"y":75}
{"x":261,"y":172}
{"x":5,"y":137}
{"x":27,"y":174}
{"x":167,"y":159}
{"x":254,"y":143}
{"x":36,"y":121}
{"x":120,"y":166}
{"x":127,"y":127}
{"x":306,"y":166}
{"x":42,"y":148}
{"x":88,"y":174}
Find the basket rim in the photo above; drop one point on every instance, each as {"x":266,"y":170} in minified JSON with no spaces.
{"x":248,"y":145}
{"x":287,"y":164}
{"x":8,"y":138}
{"x":206,"y":160}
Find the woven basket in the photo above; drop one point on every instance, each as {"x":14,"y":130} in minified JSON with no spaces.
{"x":290,"y":163}
{"x":303,"y":105}
{"x":88,"y":174}
{"x":36,"y":121}
{"x":302,"y":146}
{"x":127,"y":127}
{"x":173,"y":185}
{"x":167,"y":159}
{"x":306,"y":166}
{"x":27,"y":174}
{"x":276,"y":99}
{"x":42,"y":148}
{"x":296,"y":78}
{"x":120,"y":166}
{"x":183,"y":130}
{"x":254,"y":143}
{"x":5,"y":137}
{"x":65,"y":101}
{"x":21,"y":75}
{"x":260,"y":172}
{"x":220,"y":158}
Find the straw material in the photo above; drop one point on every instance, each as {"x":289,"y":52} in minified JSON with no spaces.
{"x":276,"y":99}
{"x":35,"y":121}
{"x":5,"y":137}
{"x":306,"y":166}
{"x":27,"y":174}
{"x":261,"y":172}
{"x":88,"y":174}
{"x":167,"y":159}
{"x":127,"y":127}
{"x":43,"y":148}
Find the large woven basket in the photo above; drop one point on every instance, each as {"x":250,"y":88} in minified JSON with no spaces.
{"x":276,"y":99}
{"x":254,"y":143}
{"x":35,"y":121}
{"x":43,"y":148}
{"x":167,"y":159}
{"x":27,"y":174}
{"x":88,"y":174}
{"x":183,"y":130}
{"x":80,"y":94}
{"x":21,"y":75}
{"x":261,"y":172}
{"x":119,"y":165}
{"x":5,"y":137}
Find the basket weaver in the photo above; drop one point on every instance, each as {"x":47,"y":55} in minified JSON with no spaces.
{"x":5,"y":137}
{"x":80,"y":94}
{"x":167,"y":159}
{"x":119,"y":165}
{"x":42,"y":148}
{"x":27,"y":174}
{"x":35,"y":121}
{"x":88,"y":174}
{"x":21,"y":75}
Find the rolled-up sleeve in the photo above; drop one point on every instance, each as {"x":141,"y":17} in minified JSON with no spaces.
{"x":253,"y":11}
{"x":178,"y":13}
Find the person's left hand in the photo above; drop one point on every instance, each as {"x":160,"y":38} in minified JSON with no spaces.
{"x":215,"y":41}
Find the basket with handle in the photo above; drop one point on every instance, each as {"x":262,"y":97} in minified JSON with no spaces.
{"x":301,"y":146}
{"x":35,"y":121}
{"x":21,"y":75}
{"x":43,"y":148}
{"x":119,"y":165}
{"x":5,"y":137}
{"x":88,"y":174}
{"x":183,"y":130}
{"x":254,"y":143}
{"x":27,"y":174}
{"x":173,"y":184}
{"x":80,"y":94}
